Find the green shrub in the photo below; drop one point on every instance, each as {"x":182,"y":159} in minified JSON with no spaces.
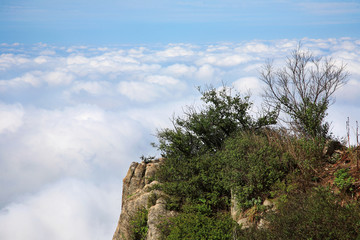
{"x":316,"y":215}
{"x":200,"y":131}
{"x":199,"y":222}
{"x":138,"y":224}
{"x":307,"y":153}
{"x":343,"y":180}
{"x":195,"y":178}
{"x":253,"y":165}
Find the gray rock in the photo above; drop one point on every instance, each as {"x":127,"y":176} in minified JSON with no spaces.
{"x":244,"y":223}
{"x":137,"y":190}
{"x":156,"y":214}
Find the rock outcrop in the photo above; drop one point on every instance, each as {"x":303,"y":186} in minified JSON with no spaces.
{"x":139,"y":191}
{"x":245,"y":218}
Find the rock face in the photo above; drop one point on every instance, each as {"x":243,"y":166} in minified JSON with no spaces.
{"x":244,"y":219}
{"x":139,"y":192}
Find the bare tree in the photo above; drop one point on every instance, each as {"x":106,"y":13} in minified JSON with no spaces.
{"x":303,"y":90}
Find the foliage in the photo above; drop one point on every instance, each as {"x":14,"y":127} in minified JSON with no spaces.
{"x":152,"y":200}
{"x":343,"y":180}
{"x":253,"y":165}
{"x":315,"y":215}
{"x":138,"y":224}
{"x":205,"y":130}
{"x":303,"y":90}
{"x":195,"y":178}
{"x":192,"y":166}
{"x":197,"y":221}
{"x":307,"y":153}
{"x":221,"y":152}
{"x":147,"y":159}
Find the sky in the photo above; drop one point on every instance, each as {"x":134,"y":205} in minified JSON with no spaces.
{"x":84,"y":86}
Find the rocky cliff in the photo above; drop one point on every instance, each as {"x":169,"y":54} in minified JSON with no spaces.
{"x":139,"y":192}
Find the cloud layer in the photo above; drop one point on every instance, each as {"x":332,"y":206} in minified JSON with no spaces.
{"x":74,"y":118}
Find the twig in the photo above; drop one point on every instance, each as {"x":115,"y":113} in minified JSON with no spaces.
{"x":348,"y":130}
{"x":357,"y":146}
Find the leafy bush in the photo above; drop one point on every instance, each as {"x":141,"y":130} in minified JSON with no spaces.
{"x":138,"y":224}
{"x":306,"y":153}
{"x":205,"y":130}
{"x":197,"y":221}
{"x":343,"y":180}
{"x":253,"y":165}
{"x":316,"y":215}
{"x":195,"y":178}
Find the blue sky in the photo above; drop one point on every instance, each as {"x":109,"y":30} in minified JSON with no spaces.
{"x":85,"y":84}
{"x":163,"y":21}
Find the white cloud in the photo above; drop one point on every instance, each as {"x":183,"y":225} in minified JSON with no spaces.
{"x":11,"y":117}
{"x":255,"y":47}
{"x":40,"y":60}
{"x":139,"y":91}
{"x":68,"y":210}
{"x":10,"y":60}
{"x":47,"y":52}
{"x":161,"y":80}
{"x":175,"y":51}
{"x":154,"y":87}
{"x":350,"y":91}
{"x":93,"y":87}
{"x":225,"y":60}
{"x":217,"y":48}
{"x":206,"y":73}
{"x":58,"y":78}
{"x":180,"y":70}
{"x":71,"y":142}
{"x":246,"y":84}
{"x":37,"y":78}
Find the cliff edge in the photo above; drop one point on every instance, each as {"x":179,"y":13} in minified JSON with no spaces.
{"x":139,"y":192}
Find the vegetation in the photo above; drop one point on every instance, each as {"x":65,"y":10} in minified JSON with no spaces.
{"x":303,"y":90}
{"x":198,"y":221}
{"x":252,"y":165}
{"x":343,"y":180}
{"x":205,"y":130}
{"x":220,"y":153}
{"x":138,"y":224}
{"x":315,"y":215}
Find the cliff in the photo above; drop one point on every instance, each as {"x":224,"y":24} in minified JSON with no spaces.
{"x":139,"y":192}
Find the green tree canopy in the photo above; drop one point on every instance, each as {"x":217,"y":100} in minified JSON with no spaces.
{"x":224,"y":112}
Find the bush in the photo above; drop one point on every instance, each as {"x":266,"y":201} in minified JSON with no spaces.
{"x":306,"y":153}
{"x":343,"y":180}
{"x":198,"y":222}
{"x":253,"y":165}
{"x":195,"y":178}
{"x":138,"y":224}
{"x":316,"y":215}
{"x":205,"y":130}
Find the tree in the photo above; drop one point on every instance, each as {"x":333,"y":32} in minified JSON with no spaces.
{"x":304,"y":89}
{"x":192,"y":169}
{"x":206,"y":129}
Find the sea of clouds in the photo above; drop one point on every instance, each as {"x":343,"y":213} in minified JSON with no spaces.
{"x":73,"y":118}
